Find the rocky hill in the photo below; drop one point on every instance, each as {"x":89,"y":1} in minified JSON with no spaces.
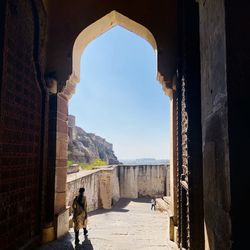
{"x":87,"y":147}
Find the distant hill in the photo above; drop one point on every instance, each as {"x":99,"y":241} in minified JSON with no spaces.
{"x":144,"y":161}
{"x":87,"y":147}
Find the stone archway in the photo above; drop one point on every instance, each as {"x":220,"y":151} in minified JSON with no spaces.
{"x":83,"y":39}
{"x":96,"y":29}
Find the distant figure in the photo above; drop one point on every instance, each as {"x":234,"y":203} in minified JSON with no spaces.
{"x":80,"y":214}
{"x":153,"y":203}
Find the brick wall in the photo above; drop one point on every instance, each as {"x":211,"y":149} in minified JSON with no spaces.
{"x":20,"y":130}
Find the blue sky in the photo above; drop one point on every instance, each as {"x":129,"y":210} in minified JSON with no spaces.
{"x":119,"y":98}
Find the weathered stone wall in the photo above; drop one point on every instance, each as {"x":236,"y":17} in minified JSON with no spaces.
{"x":91,"y":183}
{"x":105,"y":186}
{"x":102,"y":187}
{"x":214,"y":125}
{"x":151,"y":180}
{"x":143,"y":180}
{"x":105,"y":189}
{"x":109,"y":187}
{"x":128,"y":178}
{"x":115,"y":186}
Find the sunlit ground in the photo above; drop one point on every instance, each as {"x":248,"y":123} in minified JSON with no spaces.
{"x":130,"y":224}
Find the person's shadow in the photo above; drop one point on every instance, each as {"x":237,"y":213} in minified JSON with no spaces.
{"x":86,"y":245}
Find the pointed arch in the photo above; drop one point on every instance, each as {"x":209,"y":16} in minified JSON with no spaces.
{"x":96,"y":29}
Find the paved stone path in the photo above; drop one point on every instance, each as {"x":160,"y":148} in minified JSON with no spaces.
{"x":129,"y":225}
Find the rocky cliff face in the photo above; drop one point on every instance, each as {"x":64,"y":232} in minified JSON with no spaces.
{"x":86,"y":147}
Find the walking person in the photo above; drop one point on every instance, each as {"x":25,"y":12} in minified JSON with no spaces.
{"x":153,"y":203}
{"x":80,"y":214}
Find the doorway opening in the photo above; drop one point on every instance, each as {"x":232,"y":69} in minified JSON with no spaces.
{"x":106,"y":95}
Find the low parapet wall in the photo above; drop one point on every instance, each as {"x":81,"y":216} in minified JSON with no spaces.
{"x":105,"y":186}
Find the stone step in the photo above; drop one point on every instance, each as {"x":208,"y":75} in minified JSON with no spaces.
{"x":163,"y":204}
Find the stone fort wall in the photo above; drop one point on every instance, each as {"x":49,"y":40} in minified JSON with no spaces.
{"x":105,"y":186}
